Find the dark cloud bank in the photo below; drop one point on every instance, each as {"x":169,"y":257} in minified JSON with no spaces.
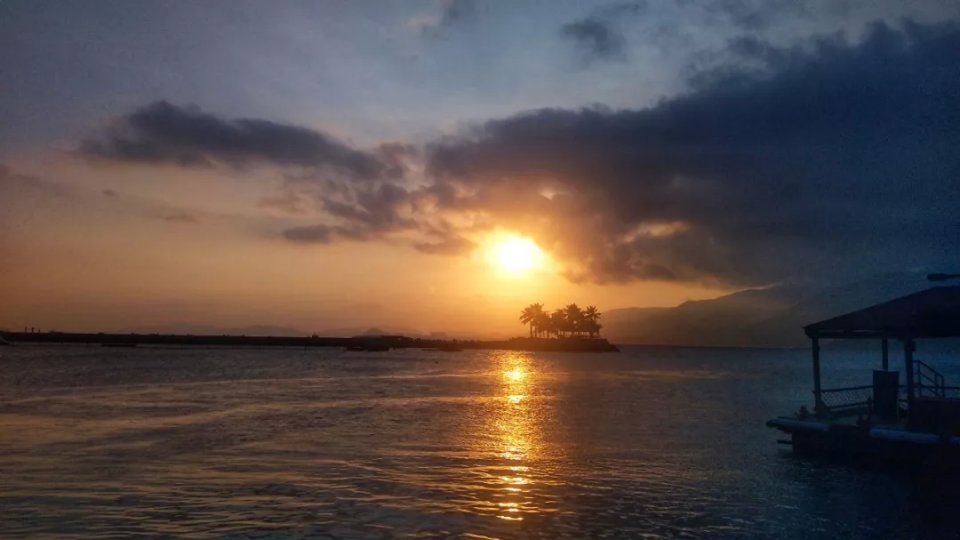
{"x":825,"y":161}
{"x":162,"y":133}
{"x":832,"y":159}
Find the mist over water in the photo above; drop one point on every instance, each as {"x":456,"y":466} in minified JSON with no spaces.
{"x":324,"y":443}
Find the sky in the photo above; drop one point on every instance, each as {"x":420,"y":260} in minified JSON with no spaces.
{"x":342,"y":165}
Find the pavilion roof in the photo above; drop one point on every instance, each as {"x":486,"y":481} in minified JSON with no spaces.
{"x":931,"y":313}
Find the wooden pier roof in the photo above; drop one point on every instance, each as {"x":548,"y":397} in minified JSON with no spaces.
{"x":931,"y":313}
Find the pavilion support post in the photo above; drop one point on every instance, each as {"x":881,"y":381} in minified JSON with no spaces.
{"x":908,"y":348}
{"x":817,"y":399}
{"x":886,"y":355}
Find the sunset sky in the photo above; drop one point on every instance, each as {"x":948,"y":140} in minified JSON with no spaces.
{"x":437,"y":165}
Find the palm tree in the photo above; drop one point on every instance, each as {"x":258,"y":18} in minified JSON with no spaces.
{"x":558,"y":322}
{"x":542,"y":323}
{"x":574,"y":316}
{"x":591,"y":315}
{"x":538,"y":315}
{"x":570,"y":320}
{"x":530,"y":315}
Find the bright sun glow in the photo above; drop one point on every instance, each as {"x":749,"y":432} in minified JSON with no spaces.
{"x":516,"y":255}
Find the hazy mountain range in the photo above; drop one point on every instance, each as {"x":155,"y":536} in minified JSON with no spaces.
{"x":769,"y":317}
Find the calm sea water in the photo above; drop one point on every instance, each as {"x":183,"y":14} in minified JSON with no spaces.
{"x":652,"y":442}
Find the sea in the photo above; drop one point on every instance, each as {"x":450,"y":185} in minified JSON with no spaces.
{"x":651,"y":442}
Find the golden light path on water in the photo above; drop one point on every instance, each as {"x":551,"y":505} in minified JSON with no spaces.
{"x":515,"y":425}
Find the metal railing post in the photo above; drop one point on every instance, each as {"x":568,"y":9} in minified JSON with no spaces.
{"x":818,"y":398}
{"x":908,"y":348}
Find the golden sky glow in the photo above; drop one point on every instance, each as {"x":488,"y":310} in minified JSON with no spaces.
{"x":73,"y":258}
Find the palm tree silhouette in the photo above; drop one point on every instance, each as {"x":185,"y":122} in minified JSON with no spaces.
{"x":558,"y":322}
{"x":532,"y":315}
{"x":591,"y":315}
{"x":527,"y":317}
{"x":574,"y":316}
{"x":570,"y":320}
{"x":542,"y":324}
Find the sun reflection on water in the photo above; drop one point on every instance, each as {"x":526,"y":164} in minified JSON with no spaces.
{"x":515,"y":424}
{"x":516,"y":374}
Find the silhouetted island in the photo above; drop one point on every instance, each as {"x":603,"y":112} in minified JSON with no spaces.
{"x":365,"y":343}
{"x":569,"y":329}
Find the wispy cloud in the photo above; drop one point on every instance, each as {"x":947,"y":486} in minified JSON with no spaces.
{"x":597,"y":37}
{"x":452,"y":13}
{"x":163,"y":133}
{"x":180,"y":217}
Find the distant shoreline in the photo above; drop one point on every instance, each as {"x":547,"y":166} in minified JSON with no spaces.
{"x":371,"y":343}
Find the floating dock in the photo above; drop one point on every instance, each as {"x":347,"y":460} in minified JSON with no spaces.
{"x":916,"y":420}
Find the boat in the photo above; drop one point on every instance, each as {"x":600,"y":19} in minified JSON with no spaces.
{"x":914,"y":420}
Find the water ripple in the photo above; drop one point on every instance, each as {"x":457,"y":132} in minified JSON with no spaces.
{"x":291,"y":443}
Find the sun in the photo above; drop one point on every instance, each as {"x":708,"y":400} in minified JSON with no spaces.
{"x":516,"y":255}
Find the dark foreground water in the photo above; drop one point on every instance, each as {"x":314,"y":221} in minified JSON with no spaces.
{"x":652,"y":442}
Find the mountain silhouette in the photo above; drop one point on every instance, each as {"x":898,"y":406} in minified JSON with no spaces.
{"x":767,"y":317}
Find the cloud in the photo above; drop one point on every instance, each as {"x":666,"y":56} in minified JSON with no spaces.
{"x":375,"y":209}
{"x":162,"y":133}
{"x":312,"y":234}
{"x":16,"y":188}
{"x":8,"y":176}
{"x":816,"y":161}
{"x":453,"y":13}
{"x":831,"y":158}
{"x":290,"y":203}
{"x":596,"y":39}
{"x":180,"y":217}
{"x":756,"y":14}
{"x":13,"y":181}
{"x":451,"y":246}
{"x":597,"y":36}
{"x":325,"y":234}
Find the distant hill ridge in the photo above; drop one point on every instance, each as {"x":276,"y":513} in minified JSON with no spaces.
{"x":768,"y":317}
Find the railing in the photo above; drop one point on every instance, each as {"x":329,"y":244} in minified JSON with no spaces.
{"x":943,"y":392}
{"x":927,"y":381}
{"x":855,"y":400}
{"x":848,"y":401}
